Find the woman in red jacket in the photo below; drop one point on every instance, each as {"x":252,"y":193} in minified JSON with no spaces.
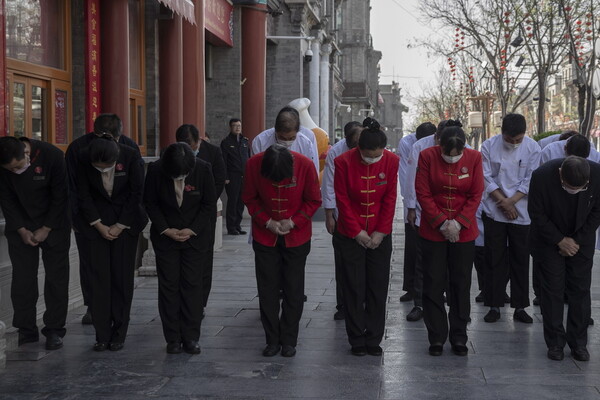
{"x":365,"y":185}
{"x":281,"y":191}
{"x":449,"y":185}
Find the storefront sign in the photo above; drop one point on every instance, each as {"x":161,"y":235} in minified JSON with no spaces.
{"x":92,"y":62}
{"x":218,"y":21}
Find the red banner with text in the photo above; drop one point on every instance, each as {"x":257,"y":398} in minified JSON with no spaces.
{"x":92,"y":62}
{"x":218,"y":22}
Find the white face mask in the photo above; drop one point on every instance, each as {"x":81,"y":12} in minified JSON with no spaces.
{"x":20,"y":171}
{"x":196,"y":152}
{"x":286,"y":143}
{"x":452,"y":159}
{"x":511,"y":146}
{"x":574,"y":191}
{"x":371,"y":160}
{"x":180,"y":177}
{"x":102,"y":170}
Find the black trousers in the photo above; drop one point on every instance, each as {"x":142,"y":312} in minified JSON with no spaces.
{"x":498,"y":270}
{"x":280,"y":267}
{"x":113,"y":268}
{"x":339,"y":280}
{"x":570,"y":275}
{"x":536,"y":276}
{"x":207,"y":267}
{"x":479,"y":263}
{"x":180,"y":284}
{"x":418,"y":276}
{"x":24,"y":286}
{"x":85,"y":269}
{"x":410,"y":258}
{"x":366,"y":280}
{"x":235,"y":205}
{"x":447,"y":264}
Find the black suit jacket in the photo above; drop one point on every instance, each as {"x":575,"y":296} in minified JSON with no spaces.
{"x":39,"y":196}
{"x":199,"y":204}
{"x":235,"y":154}
{"x":124,"y":206}
{"x":555,"y":213}
{"x":74,"y":151}
{"x":212,"y":154}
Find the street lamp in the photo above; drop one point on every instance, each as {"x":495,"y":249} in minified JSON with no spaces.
{"x":368,"y":111}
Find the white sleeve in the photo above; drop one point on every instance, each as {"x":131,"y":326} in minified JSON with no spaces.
{"x":327,"y":188}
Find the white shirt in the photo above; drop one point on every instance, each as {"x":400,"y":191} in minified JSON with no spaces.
{"x":509,"y":171}
{"x":301,"y":145}
{"x":327,"y":190}
{"x":404,"y":148}
{"x":547,"y":140}
{"x":557,"y":150}
{"x":479,"y":241}
{"x":409,"y":193}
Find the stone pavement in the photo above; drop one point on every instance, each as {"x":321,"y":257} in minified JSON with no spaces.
{"x":507,"y":360}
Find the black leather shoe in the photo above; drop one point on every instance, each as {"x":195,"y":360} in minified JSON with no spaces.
{"x":241,"y":232}
{"x":339,"y":315}
{"x":591,"y":322}
{"x":374,"y":350}
{"x":479,"y":298}
{"x":191,"y":347}
{"x":522,"y":316}
{"x":415,"y":314}
{"x":100,"y":346}
{"x":288,"y":351}
{"x":406,"y":297}
{"x":174,"y":348}
{"x":115,"y":346}
{"x":536,"y":301}
{"x":556,"y":353}
{"x":53,"y":342}
{"x":233,"y":233}
{"x":305,"y":298}
{"x":28,"y":338}
{"x":87,"y":318}
{"x":271,"y":350}
{"x":436,"y":349}
{"x":506,"y":298}
{"x":492,"y":316}
{"x":460,"y":349}
{"x":580,"y":354}
{"x":358,"y":351}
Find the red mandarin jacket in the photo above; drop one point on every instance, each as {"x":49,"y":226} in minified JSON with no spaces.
{"x":365,"y":193}
{"x":298,"y":197}
{"x":449,"y":191}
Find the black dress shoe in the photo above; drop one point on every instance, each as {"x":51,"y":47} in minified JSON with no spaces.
{"x":479,"y":298}
{"x":536,"y":301}
{"x":339,"y":315}
{"x":460,"y":349}
{"x":28,"y":338}
{"x":436,"y":349}
{"x":305,"y":298}
{"x":591,"y":322}
{"x":241,"y":232}
{"x":374,"y":350}
{"x":288,"y":351}
{"x":506,"y":298}
{"x":87,"y":318}
{"x":191,"y":347}
{"x":359,"y":351}
{"x":100,"y":346}
{"x":53,"y":342}
{"x":522,"y":316}
{"x":556,"y":353}
{"x":406,"y":297}
{"x":492,"y":316}
{"x":580,"y":354}
{"x":271,"y":350}
{"x":115,"y":346}
{"x":233,"y":233}
{"x":174,"y":348}
{"x":415,"y":314}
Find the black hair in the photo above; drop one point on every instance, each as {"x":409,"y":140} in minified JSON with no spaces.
{"x":103,"y":150}
{"x":425,"y":129}
{"x":178,"y":159}
{"x":11,"y":148}
{"x":277,"y":163}
{"x":232,"y":120}
{"x":372,"y":137}
{"x":108,"y":123}
{"x":288,"y":120}
{"x":452,"y":137}
{"x":187,"y":133}
{"x":567,"y":134}
{"x":440,"y":127}
{"x":514,"y":125}
{"x":349,"y":128}
{"x":575,"y":171}
{"x":578,"y":145}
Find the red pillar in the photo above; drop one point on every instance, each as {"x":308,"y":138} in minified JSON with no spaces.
{"x":194,"y":97}
{"x":3,"y":88}
{"x":114,"y":48}
{"x":170,"y":69}
{"x":254,"y":70}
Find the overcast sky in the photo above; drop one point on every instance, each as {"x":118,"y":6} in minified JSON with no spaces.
{"x":394,"y":25}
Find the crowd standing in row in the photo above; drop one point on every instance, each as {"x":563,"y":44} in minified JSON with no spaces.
{"x":492,"y":208}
